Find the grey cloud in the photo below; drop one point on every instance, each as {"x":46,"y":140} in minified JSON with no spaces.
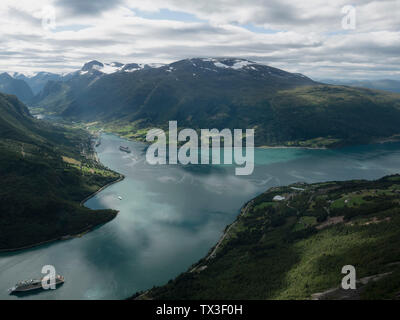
{"x":87,"y":7}
{"x":24,"y":16}
{"x":314,"y":53}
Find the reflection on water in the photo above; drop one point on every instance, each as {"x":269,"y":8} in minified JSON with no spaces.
{"x":170,"y":216}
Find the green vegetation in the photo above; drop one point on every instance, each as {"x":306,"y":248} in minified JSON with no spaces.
{"x":325,"y":115}
{"x":305,"y":222}
{"x":383,"y":84}
{"x":295,"y":248}
{"x":46,"y":171}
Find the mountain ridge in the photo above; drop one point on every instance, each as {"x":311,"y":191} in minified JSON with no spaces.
{"x":390,"y":85}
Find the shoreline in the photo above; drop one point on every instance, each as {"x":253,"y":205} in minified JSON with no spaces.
{"x":121,"y":178}
{"x":381,"y":140}
{"x":119,"y":135}
{"x":294,"y":147}
{"x":69,"y":236}
{"x":213,"y":251}
{"x":256,"y":147}
{"x":61,"y":238}
{"x":203,"y":261}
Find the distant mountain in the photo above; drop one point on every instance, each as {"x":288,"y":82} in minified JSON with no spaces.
{"x":95,"y":67}
{"x":195,"y":88}
{"x":56,"y":96}
{"x":284,"y":108}
{"x":383,"y":84}
{"x":17,"y":87}
{"x":38,"y":81}
{"x":43,"y":179}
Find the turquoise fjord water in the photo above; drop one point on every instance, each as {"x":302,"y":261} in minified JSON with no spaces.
{"x":170,"y":216}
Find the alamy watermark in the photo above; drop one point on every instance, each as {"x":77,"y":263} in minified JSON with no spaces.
{"x":349,"y":21}
{"x":349,"y":281}
{"x":189,"y":152}
{"x":48,"y":18}
{"x":49,"y":280}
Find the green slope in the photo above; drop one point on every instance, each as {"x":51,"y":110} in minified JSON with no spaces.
{"x":344,"y":115}
{"x":380,"y":84}
{"x":296,"y":248}
{"x":43,"y":179}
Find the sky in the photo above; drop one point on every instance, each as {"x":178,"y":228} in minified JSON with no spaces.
{"x":358,"y":39}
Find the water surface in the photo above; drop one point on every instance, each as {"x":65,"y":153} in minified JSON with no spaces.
{"x":170,"y":216}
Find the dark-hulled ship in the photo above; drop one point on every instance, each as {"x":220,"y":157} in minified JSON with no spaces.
{"x":125,"y":149}
{"x":34,"y":284}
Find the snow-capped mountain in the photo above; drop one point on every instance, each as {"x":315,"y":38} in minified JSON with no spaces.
{"x":37,"y":81}
{"x":115,"y":90}
{"x":94,"y":70}
{"x":96,"y":67}
{"x":18,"y":87}
{"x":229,"y":65}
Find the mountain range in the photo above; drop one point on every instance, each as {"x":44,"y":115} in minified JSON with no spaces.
{"x":284,"y":108}
{"x":14,"y":86}
{"x":38,"y":81}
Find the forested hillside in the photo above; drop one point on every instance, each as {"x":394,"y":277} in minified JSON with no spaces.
{"x":45,"y":172}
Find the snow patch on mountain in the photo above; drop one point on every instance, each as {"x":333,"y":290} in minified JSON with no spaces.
{"x":18,"y":75}
{"x":221,"y":65}
{"x":109,"y":68}
{"x":225,"y":63}
{"x":235,"y":64}
{"x":156,"y":65}
{"x":134,"y":68}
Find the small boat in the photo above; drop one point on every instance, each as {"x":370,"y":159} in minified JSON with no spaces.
{"x":34,"y":284}
{"x":120,"y":198}
{"x":125,"y":149}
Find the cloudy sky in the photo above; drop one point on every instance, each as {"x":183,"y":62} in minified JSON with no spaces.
{"x":298,"y":36}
